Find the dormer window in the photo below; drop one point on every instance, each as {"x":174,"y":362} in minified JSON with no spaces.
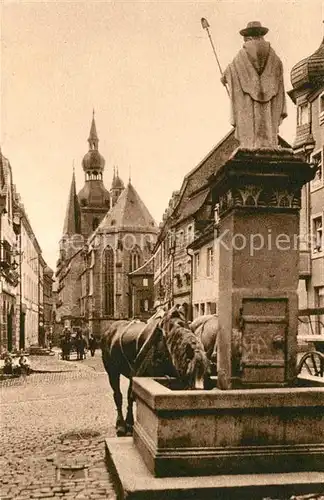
{"x":302,"y":114}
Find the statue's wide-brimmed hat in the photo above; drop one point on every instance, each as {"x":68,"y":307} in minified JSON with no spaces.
{"x":254,"y":28}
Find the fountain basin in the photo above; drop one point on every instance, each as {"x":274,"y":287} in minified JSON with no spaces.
{"x":241,"y":431}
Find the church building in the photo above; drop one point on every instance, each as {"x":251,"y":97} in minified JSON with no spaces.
{"x":106,"y":236}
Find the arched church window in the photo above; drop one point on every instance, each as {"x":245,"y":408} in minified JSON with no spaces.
{"x":135,"y":260}
{"x":95,"y":223}
{"x":109,"y":281}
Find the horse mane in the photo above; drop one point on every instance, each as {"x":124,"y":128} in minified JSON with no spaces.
{"x":186,"y":351}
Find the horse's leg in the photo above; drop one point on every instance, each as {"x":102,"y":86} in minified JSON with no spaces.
{"x":114,"y":379}
{"x":129,"y":416}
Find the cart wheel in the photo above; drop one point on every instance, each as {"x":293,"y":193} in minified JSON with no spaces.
{"x":313,"y":363}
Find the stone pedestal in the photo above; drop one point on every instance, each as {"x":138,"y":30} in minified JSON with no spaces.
{"x":258,"y":195}
{"x":258,"y":420}
{"x":133,"y":481}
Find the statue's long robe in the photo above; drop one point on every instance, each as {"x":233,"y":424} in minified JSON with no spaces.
{"x":255,"y":79}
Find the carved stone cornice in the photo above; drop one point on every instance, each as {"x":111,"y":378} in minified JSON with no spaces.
{"x":262,"y":179}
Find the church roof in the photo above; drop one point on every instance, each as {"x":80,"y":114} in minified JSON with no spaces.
{"x":309,"y":70}
{"x":72,"y":222}
{"x":129,"y":213}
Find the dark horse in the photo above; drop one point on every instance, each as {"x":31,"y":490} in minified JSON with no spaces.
{"x":206,"y":328}
{"x":163,"y":346}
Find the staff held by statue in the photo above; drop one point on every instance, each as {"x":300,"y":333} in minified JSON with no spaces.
{"x":206,"y":27}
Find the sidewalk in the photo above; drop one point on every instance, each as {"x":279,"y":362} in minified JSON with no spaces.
{"x":52,"y":364}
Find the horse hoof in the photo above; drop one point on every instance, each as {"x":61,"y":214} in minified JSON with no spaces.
{"x":121,"y":431}
{"x":129,"y":431}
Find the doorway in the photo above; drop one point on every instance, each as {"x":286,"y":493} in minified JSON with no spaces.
{"x":22,"y":330}
{"x":10,"y":329}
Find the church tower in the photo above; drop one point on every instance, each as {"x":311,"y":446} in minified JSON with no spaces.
{"x":117,"y":186}
{"x":94,"y":198}
{"x":72,"y":221}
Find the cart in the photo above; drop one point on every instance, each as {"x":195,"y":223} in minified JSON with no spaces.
{"x":312,"y":361}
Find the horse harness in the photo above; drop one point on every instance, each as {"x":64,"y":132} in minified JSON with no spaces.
{"x":139,"y":349}
{"x":120,"y":342}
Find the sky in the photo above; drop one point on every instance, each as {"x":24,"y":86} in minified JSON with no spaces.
{"x":147,"y":69}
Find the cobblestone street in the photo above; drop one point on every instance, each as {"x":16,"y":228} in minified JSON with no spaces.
{"x":56,"y":420}
{"x":53,"y":426}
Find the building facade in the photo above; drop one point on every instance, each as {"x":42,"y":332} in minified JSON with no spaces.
{"x":21,"y":270}
{"x":9,"y":275}
{"x":141,"y":291}
{"x":307,"y":78}
{"x":204,"y":252}
{"x":31,"y":288}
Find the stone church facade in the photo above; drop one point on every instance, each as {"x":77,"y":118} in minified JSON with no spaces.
{"x":106,"y":236}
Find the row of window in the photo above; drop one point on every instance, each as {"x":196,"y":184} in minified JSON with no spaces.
{"x":204,"y":308}
{"x":197,"y":271}
{"x":174,"y":240}
{"x":184,"y":237}
{"x":30,"y":288}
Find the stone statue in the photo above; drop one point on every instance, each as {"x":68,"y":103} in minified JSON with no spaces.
{"x":256,"y":89}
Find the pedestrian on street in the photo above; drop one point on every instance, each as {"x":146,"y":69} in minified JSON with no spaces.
{"x":92,"y":345}
{"x":24,"y":364}
{"x":81,"y":345}
{"x":8,"y":365}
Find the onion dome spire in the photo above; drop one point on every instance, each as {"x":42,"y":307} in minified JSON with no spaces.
{"x":93,"y":136}
{"x":309,"y":71}
{"x":93,"y":163}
